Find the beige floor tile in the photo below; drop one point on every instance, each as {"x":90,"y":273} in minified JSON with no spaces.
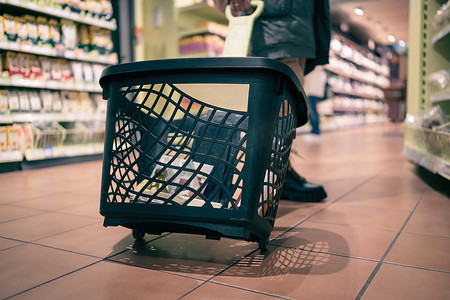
{"x":397,"y":282}
{"x":189,"y":255}
{"x":26,"y":266}
{"x":421,"y":251}
{"x":10,"y":194}
{"x":431,"y":224}
{"x":401,"y":201}
{"x":290,"y":213}
{"x":8,"y":243}
{"x":88,"y":209}
{"x":43,"y":225}
{"x":348,"y":214}
{"x":435,"y":203}
{"x":94,"y":240}
{"x":338,"y":239}
{"x":55,"y":201}
{"x":9,"y":212}
{"x":299,"y":274}
{"x":219,"y":291}
{"x":110,"y":280}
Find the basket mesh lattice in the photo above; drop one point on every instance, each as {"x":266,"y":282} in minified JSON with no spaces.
{"x":171,"y":149}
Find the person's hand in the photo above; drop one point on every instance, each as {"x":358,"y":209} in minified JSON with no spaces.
{"x":238,"y":6}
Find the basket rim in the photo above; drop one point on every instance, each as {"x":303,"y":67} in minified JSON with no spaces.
{"x":209,"y":64}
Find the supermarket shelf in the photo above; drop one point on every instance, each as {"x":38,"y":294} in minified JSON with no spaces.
{"x":443,"y":33}
{"x":63,"y":151}
{"x":92,"y":87}
{"x":51,"y":52}
{"x":55,"y":117}
{"x":430,"y":162}
{"x":437,"y":97}
{"x":355,"y":93}
{"x":198,"y":31}
{"x":351,"y":76}
{"x":55,"y":12}
{"x":198,"y":54}
{"x":11,"y":156}
{"x":204,"y":11}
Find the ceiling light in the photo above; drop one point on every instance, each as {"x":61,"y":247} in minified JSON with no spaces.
{"x":391,"y":38}
{"x":402,"y":43}
{"x":359,"y":11}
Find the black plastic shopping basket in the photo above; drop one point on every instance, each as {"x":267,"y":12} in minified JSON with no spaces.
{"x":198,"y":145}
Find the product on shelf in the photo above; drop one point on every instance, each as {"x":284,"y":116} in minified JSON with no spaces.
{"x":66,"y":72}
{"x":22,"y":32}
{"x":55,"y":38}
{"x":10,"y":27}
{"x":3,"y":101}
{"x":32,"y":30}
{"x":439,"y":81}
{"x":25,"y":135}
{"x":56,"y":102}
{"x":67,"y":102}
{"x":3,"y":139}
{"x":77,"y":70}
{"x":47,"y":100}
{"x":442,"y":16}
{"x":88,"y":73}
{"x":12,"y":64}
{"x":2,"y":29}
{"x":46,"y":67}
{"x":43,"y":30}
{"x":56,"y":72}
{"x":24,"y":101}
{"x":35,"y":67}
{"x":69,"y":35}
{"x":35,"y":101}
{"x":13,"y":100}
{"x":24,"y":65}
{"x":97,"y":70}
{"x":13,"y":138}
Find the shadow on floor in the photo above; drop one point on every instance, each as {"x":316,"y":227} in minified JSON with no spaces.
{"x":192,"y":254}
{"x":435,"y":181}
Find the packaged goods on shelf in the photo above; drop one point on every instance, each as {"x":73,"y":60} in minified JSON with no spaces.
{"x":13,"y":138}
{"x":12,"y":64}
{"x":69,"y":35}
{"x":3,"y":101}
{"x":24,"y":101}
{"x":212,"y":44}
{"x":47,"y":100}
{"x":13,"y":101}
{"x":43,"y":30}
{"x":442,"y":16}
{"x":3,"y":139}
{"x":10,"y":27}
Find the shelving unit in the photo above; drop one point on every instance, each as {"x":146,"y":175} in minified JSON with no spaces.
{"x":75,"y":128}
{"x":428,"y":54}
{"x":356,"y":79}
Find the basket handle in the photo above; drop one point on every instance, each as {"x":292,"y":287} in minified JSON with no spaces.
{"x":240,"y":30}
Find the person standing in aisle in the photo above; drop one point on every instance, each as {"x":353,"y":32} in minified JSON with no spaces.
{"x":297,"y":33}
{"x":316,"y":88}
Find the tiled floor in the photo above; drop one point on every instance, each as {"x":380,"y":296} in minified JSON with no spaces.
{"x":382,"y":233}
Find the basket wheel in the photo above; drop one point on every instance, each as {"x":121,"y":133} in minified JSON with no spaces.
{"x":138,"y":234}
{"x":264,"y":244}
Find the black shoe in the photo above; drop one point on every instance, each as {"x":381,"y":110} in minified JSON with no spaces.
{"x":296,"y":188}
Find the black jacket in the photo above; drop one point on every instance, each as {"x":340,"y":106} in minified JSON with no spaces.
{"x":293,"y":28}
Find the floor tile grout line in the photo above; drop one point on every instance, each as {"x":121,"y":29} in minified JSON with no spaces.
{"x":416,"y":267}
{"x":79,"y":269}
{"x":327,"y":205}
{"x":53,"y":279}
{"x":234,"y":287}
{"x":388,"y":250}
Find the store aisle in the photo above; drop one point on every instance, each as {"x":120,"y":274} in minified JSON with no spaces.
{"x":383,"y":232}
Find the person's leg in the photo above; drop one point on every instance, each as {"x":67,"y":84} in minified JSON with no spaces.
{"x":295,"y":187}
{"x":314,"y":115}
